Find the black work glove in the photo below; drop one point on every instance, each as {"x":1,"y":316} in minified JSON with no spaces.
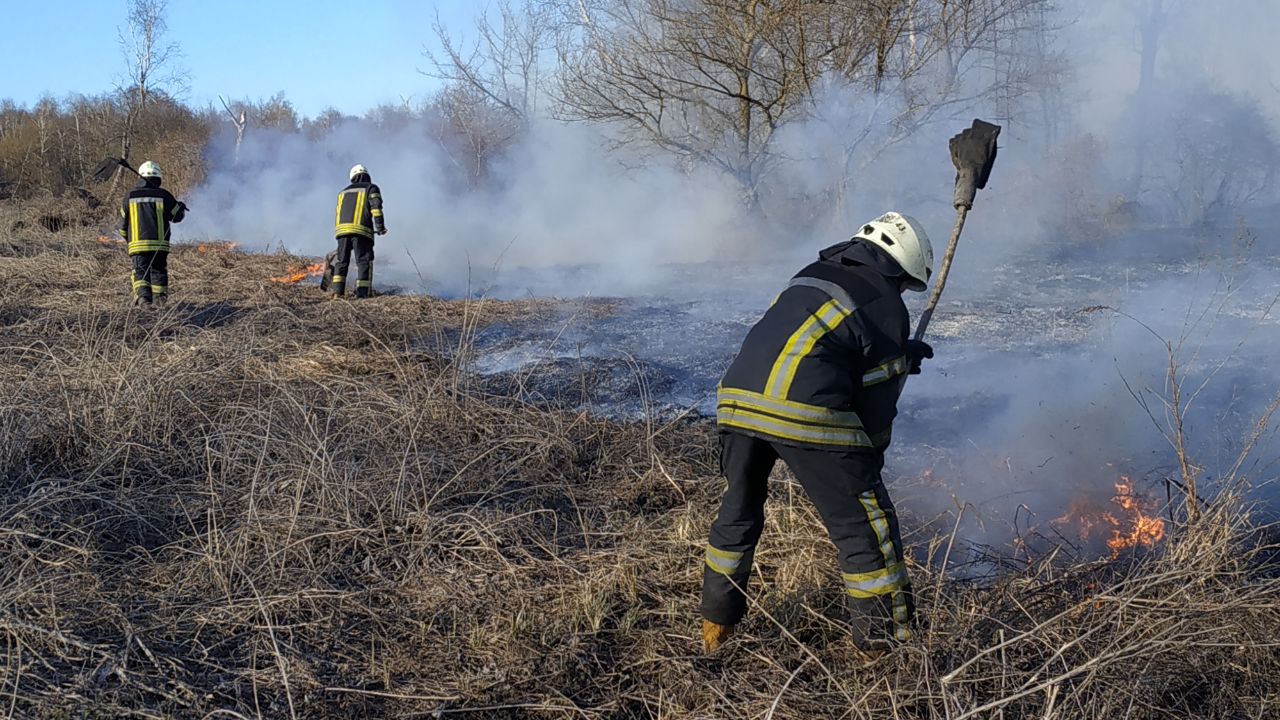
{"x":973,"y":152}
{"x":917,"y":352}
{"x":179,"y":211}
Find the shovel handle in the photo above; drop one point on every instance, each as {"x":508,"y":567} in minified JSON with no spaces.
{"x":962,"y":212}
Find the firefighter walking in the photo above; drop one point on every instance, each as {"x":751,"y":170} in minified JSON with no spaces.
{"x":145,"y":216}
{"x":816,"y":384}
{"x":359,"y":219}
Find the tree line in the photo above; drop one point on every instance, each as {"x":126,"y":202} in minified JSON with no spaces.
{"x":709,"y":83}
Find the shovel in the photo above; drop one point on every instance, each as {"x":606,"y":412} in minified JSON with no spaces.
{"x":973,"y":152}
{"x":108,"y":166}
{"x":327,"y":278}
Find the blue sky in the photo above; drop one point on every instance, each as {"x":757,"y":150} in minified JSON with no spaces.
{"x":351,"y":55}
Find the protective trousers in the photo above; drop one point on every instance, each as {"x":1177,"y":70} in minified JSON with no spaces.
{"x":150,"y":275}
{"x":851,"y":499}
{"x":363,"y":249}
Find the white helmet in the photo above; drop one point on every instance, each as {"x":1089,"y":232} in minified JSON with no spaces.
{"x":357,"y":169}
{"x":906,"y":242}
{"x":150,"y":169}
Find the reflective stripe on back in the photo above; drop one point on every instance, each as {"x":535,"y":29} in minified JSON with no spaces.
{"x":801,"y":343}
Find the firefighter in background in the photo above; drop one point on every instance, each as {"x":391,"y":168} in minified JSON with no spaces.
{"x":145,"y":217}
{"x":816,"y":384}
{"x":359,"y":218}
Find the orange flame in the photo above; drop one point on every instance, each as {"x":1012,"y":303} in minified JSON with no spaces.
{"x":108,"y":241}
{"x":1145,"y":530}
{"x":297,"y":273}
{"x":1134,"y":524}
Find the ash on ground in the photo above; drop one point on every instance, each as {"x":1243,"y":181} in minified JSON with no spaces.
{"x":1049,"y":380}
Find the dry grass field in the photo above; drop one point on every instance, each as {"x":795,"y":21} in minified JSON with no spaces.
{"x":254,"y":503}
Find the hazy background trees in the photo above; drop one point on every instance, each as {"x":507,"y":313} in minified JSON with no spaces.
{"x":754,"y":90}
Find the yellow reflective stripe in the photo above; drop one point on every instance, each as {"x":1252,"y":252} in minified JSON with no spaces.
{"x":354,"y":229}
{"x":891,"y":369}
{"x":364,"y":283}
{"x":877,"y":583}
{"x":376,"y":212}
{"x":338,"y":278}
{"x":729,"y":415}
{"x":134,"y":232}
{"x":801,"y":343}
{"x":358,"y":217}
{"x":723,"y":561}
{"x":789,"y":409}
{"x":337,"y":213}
{"x":161,"y":229}
{"x":880,"y":524}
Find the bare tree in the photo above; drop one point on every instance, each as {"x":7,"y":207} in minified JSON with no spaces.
{"x":240,"y":119}
{"x":710,"y":81}
{"x":714,"y":80}
{"x":505,"y":66}
{"x":493,"y":86}
{"x":151,"y":62}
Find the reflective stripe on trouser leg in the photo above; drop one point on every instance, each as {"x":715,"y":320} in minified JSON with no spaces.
{"x":142,"y":274}
{"x":340,"y":264}
{"x":847,"y":492}
{"x":891,"y":581}
{"x":726,"y":560}
{"x":364,"y":266}
{"x":160,"y":273}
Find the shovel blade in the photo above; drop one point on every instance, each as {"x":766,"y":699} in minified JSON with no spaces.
{"x":106,"y":169}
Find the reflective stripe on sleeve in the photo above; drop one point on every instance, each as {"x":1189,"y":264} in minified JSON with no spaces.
{"x":889,"y":370}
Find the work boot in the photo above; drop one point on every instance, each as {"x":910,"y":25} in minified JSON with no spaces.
{"x":714,"y":635}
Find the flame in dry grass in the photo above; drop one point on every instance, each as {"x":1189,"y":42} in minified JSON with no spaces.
{"x":297,"y":273}
{"x":109,"y":241}
{"x":1134,"y":522}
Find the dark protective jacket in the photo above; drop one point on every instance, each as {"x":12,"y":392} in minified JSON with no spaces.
{"x":825,"y":365}
{"x":145,"y":216}
{"x":359,"y":209}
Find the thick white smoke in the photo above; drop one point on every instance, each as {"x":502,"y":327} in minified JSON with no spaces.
{"x":561,"y":201}
{"x":1030,"y":402}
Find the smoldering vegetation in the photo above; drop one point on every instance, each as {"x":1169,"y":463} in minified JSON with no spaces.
{"x":255,"y":503}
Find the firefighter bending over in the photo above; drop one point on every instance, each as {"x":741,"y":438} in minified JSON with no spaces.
{"x":145,"y":216}
{"x":816,"y":384}
{"x":359,"y":218}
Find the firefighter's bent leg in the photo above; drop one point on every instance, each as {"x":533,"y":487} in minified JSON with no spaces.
{"x":364,"y":267}
{"x":851,"y":498}
{"x":142,"y":276}
{"x":746,"y":463}
{"x":340,"y":264}
{"x":160,"y":277}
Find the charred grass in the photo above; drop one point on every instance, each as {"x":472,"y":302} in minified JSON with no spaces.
{"x":256,"y":503}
